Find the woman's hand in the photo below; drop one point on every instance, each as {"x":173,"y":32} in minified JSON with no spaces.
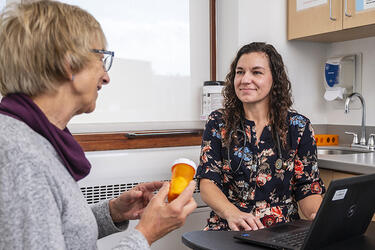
{"x":241,"y":221}
{"x":216,"y":199}
{"x":130,"y":204}
{"x":160,"y":218}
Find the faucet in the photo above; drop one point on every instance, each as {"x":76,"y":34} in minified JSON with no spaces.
{"x":362,"y":141}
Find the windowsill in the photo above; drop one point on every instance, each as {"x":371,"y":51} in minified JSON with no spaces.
{"x":96,"y":137}
{"x":91,"y":128}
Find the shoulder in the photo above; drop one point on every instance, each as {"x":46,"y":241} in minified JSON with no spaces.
{"x":18,"y":136}
{"x":296,"y":120}
{"x":23,"y":151}
{"x":299,"y":126}
{"x":217,"y":115}
{"x":215,"y":120}
{"x":14,"y":130}
{"x":30,"y":161}
{"x":214,"y":126}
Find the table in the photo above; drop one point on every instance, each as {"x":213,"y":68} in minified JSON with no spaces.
{"x":223,"y":240}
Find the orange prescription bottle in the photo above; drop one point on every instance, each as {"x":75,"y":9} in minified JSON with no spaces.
{"x":183,"y":171}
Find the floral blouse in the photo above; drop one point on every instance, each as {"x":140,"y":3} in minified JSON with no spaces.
{"x":251,"y":181}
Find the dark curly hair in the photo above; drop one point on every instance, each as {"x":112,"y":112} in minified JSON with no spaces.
{"x":280,"y":94}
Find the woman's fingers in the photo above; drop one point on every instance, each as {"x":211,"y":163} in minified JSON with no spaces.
{"x":186,"y":195}
{"x":244,"y":226}
{"x":162,"y":195}
{"x":233,"y":226}
{"x":259,"y":223}
{"x":190,"y":206}
{"x":245,"y":222}
{"x":250,"y":220}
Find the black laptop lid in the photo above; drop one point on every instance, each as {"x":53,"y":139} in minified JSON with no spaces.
{"x":346,"y":211}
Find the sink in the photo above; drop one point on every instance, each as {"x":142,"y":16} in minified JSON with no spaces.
{"x":341,"y":151}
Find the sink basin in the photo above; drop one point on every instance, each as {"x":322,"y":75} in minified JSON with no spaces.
{"x":341,"y":151}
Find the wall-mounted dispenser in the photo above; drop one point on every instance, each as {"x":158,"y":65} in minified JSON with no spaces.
{"x":212,"y":97}
{"x":342,"y":76}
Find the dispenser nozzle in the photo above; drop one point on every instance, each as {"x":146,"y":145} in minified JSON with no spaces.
{"x":346,"y":108}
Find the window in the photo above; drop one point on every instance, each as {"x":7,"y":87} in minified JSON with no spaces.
{"x":161,"y":59}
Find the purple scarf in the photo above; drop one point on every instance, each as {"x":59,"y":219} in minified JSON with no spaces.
{"x":21,"y":107}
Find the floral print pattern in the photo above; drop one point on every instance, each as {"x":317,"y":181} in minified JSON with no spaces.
{"x":250,"y":179}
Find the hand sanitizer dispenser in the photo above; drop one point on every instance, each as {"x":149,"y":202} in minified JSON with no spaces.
{"x":340,"y":77}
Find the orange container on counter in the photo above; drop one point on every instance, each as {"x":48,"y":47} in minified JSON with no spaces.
{"x":326,"y":139}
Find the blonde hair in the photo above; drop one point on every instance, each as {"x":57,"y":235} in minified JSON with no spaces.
{"x":40,"y":41}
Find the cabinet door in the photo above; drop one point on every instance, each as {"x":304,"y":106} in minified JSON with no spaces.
{"x":360,"y":15}
{"x":314,"y":20}
{"x":326,"y":176}
{"x":342,"y":175}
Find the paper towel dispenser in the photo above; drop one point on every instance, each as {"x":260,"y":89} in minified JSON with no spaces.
{"x":342,"y":76}
{"x":339,"y":76}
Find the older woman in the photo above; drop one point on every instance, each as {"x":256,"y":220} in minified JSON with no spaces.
{"x":53,"y":62}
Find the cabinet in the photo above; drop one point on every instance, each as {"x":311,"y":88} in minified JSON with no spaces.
{"x":331,"y":21}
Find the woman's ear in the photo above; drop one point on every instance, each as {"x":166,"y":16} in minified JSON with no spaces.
{"x":68,"y":68}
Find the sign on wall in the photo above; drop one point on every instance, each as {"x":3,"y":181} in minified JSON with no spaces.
{"x":306,"y":4}
{"x":364,"y":4}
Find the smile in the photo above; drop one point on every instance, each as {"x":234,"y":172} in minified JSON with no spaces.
{"x":247,"y":89}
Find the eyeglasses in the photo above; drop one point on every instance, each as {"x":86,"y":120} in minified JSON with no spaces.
{"x":107,"y":58}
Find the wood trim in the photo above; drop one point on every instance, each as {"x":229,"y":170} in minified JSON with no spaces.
{"x":118,"y":141}
{"x":213,"y":40}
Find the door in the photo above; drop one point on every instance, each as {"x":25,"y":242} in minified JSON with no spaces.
{"x":325,"y":16}
{"x":358,"y":13}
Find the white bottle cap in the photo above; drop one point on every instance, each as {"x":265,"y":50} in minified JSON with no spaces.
{"x":185,"y":161}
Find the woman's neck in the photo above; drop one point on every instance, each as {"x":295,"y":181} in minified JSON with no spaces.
{"x":57,"y":107}
{"x":257,"y":113}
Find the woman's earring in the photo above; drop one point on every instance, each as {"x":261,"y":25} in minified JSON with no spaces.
{"x":72,"y":78}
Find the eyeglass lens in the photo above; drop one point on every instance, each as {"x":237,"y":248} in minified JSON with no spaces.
{"x":107,"y":62}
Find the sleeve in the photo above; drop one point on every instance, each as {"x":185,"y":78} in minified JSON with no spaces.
{"x":210,"y":163}
{"x":104,"y":220}
{"x":29,"y":214}
{"x":307,"y":180}
{"x":133,"y":240}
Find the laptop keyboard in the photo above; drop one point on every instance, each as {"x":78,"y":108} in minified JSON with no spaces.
{"x":294,"y":239}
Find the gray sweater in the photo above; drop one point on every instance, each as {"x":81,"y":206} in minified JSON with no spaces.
{"x":41,"y":205}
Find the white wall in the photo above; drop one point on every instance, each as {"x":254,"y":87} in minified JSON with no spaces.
{"x":243,"y":21}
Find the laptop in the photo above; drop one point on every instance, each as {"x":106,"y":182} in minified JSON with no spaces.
{"x":346,"y":212}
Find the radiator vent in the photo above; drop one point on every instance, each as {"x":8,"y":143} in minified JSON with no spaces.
{"x":94,"y":194}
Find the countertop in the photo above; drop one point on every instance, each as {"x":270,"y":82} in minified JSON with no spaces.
{"x":223,"y":240}
{"x":357,"y":163}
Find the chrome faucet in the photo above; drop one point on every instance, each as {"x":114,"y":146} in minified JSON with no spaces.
{"x":362,"y":141}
